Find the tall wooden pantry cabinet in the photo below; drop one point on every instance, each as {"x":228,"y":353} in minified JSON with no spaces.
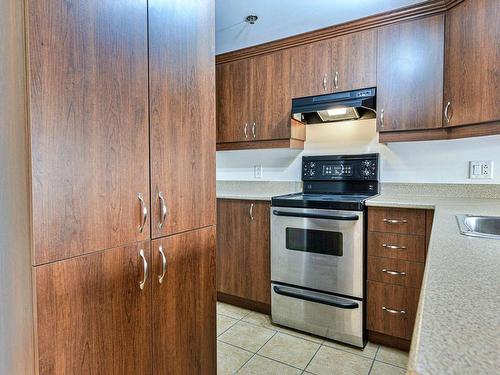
{"x":107,"y":261}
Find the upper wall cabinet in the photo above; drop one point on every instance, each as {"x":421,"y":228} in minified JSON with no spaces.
{"x":182,"y":100}
{"x":88,"y":92}
{"x":472,"y":69}
{"x":410,"y":75}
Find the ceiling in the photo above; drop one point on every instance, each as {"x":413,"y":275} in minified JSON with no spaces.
{"x":279,"y":19}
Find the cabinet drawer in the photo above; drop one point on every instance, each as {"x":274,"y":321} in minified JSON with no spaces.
{"x":397,"y":246}
{"x":395,"y":271}
{"x":396,"y":220}
{"x":392,"y":309}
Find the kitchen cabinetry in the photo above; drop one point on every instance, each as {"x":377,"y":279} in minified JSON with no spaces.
{"x":472,"y":76}
{"x":410,"y":75}
{"x":243,"y":253}
{"x":397,"y":243}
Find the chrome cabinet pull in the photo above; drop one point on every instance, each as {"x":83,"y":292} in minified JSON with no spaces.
{"x":246,"y":131}
{"x":392,"y":311}
{"x":336,"y":80}
{"x":395,"y":221}
{"x":251,"y":211}
{"x":395,"y":273}
{"x":163,"y":265}
{"x":325,"y":81}
{"x":446,"y":112}
{"x":253,"y":130}
{"x":395,"y":247}
{"x":382,"y":118}
{"x":144,"y":212}
{"x":142,"y":283}
{"x":163,"y":210}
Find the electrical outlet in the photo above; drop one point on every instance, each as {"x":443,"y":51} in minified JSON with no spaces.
{"x":481,"y":169}
{"x":257,"y":169}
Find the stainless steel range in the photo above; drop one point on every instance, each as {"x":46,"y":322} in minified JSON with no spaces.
{"x":318,"y":248}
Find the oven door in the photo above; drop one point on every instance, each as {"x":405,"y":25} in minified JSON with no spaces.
{"x":318,"y":249}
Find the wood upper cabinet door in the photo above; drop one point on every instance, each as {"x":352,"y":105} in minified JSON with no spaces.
{"x":243,"y":257}
{"x":311,"y":69}
{"x":184,"y":339}
{"x":89,"y":124}
{"x":410,"y":75}
{"x":182,"y":99}
{"x":472,"y":68}
{"x":271,"y":103}
{"x":92,"y":316}
{"x":355,"y":61}
{"x":233,"y":102}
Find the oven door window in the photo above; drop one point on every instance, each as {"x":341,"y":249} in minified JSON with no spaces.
{"x":315,"y":241}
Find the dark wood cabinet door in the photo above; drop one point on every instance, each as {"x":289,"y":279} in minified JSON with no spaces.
{"x":355,"y":61}
{"x":243,"y":257}
{"x":311,"y":69}
{"x":410,"y":75}
{"x":472,"y":68}
{"x":92,"y":317}
{"x":233,"y":102}
{"x":271,"y":103}
{"x":89,"y":124}
{"x":184,"y":339}
{"x":182,"y":100}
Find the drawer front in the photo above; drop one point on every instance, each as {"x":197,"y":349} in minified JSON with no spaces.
{"x":395,"y":271}
{"x":392,"y":309}
{"x":396,"y":220}
{"x":397,"y":246}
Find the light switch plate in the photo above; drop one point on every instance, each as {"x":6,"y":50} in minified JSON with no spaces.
{"x":257,"y":169}
{"x":481,"y":169}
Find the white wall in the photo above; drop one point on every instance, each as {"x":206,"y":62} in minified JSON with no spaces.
{"x":423,"y":162}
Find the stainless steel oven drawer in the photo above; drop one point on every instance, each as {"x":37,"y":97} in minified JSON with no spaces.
{"x":336,"y":318}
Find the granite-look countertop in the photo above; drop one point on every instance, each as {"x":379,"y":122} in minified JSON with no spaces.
{"x":457,"y":328}
{"x":256,"y":190}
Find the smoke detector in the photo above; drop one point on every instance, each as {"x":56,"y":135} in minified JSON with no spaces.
{"x":251,"y":19}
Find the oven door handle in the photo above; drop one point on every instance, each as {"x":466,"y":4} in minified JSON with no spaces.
{"x":316,"y":216}
{"x":323,"y":299}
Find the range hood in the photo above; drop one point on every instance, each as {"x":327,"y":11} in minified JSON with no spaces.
{"x":342,"y":106}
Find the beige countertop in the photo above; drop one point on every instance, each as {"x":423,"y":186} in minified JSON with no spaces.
{"x":256,"y":190}
{"x":457,"y":328}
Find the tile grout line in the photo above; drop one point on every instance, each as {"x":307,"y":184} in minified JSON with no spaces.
{"x":314,"y":355}
{"x":274,"y":334}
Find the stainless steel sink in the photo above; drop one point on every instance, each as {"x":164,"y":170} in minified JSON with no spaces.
{"x":479,"y":226}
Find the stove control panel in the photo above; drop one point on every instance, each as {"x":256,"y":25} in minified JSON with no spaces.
{"x":347,"y":167}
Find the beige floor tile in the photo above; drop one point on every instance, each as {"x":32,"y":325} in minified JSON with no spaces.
{"x":234,"y":312}
{"x":224,"y":323}
{"x":392,"y":356}
{"x":380,"y":368}
{"x":298,"y":334}
{"x":259,"y":319}
{"x":290,"y":350}
{"x":230,"y":359}
{"x":247,"y":336}
{"x":263,"y":366}
{"x":333,"y":361}
{"x":369,"y":351}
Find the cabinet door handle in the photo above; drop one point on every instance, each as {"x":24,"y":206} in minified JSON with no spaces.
{"x":382,"y":118}
{"x":336,"y":80}
{"x":392,"y":311}
{"x":245,"y":131}
{"x":325,"y":81}
{"x":163,"y":265}
{"x":395,"y":273}
{"x":144,"y":212}
{"x":446,"y":112}
{"x":395,"y":221}
{"x":142,"y":283}
{"x":251,"y":211}
{"x":253,"y":130}
{"x":163,"y":210}
{"x":395,"y":247}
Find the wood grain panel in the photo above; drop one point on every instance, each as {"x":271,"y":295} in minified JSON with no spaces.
{"x":413,"y":271}
{"x":243,"y":257}
{"x":182,"y":100}
{"x":408,"y":221}
{"x":414,"y":246}
{"x":89,"y":124}
{"x":355,"y":61}
{"x":296,"y":144}
{"x":184,"y":304}
{"x":472,"y":71}
{"x":92,"y":317}
{"x":410,"y":75}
